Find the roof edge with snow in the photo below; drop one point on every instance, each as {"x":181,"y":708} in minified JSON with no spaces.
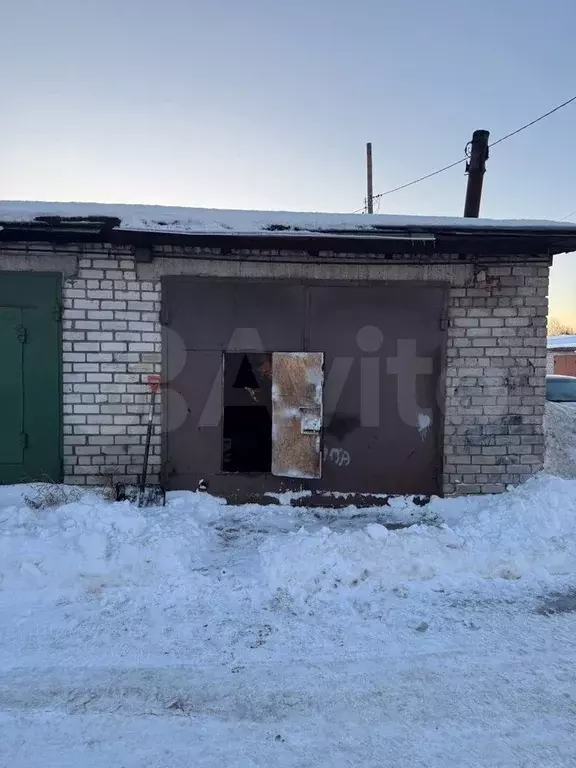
{"x":147,"y":225}
{"x":562,"y":343}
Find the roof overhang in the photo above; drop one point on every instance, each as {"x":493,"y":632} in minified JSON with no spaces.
{"x":536,"y":240}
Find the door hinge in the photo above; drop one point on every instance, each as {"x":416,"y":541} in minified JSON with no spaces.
{"x":444,"y":321}
{"x":21,"y":334}
{"x":24,"y":440}
{"x":164,"y":314}
{"x":57,"y":312}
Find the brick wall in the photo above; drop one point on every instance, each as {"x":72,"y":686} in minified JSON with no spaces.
{"x":495,"y":384}
{"x":111,"y":342}
{"x":496,"y":354}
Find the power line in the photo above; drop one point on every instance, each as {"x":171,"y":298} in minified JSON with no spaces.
{"x":546,"y":114}
{"x":422,"y":178}
{"x":569,"y":216}
{"x":463,"y":159}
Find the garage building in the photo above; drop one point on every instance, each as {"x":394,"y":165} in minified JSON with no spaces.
{"x":562,"y":355}
{"x":344,"y":356}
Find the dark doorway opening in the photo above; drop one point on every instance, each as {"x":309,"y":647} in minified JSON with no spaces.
{"x":247,"y":439}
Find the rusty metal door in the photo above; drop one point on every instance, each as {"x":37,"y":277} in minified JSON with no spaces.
{"x":203,"y":319}
{"x":373,"y":338}
{"x":297,"y":379}
{"x":565,"y":365}
{"x":384,"y":354}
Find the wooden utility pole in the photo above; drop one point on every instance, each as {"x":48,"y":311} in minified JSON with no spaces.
{"x":476,"y":168}
{"x":369,"y":186}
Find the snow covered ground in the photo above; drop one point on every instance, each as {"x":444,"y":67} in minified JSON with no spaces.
{"x":560,"y":426}
{"x":203,"y":634}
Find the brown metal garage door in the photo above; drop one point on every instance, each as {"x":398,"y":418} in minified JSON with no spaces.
{"x":565,"y":365}
{"x":382,"y":348}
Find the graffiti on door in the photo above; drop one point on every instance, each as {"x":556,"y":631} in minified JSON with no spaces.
{"x":337,"y":456}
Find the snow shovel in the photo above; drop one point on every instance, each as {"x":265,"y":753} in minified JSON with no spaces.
{"x":151,"y":495}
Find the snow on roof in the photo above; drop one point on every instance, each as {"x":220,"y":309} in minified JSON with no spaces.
{"x":155,"y":218}
{"x":562,"y":342}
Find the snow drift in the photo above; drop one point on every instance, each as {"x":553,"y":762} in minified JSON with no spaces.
{"x":529,"y":533}
{"x":560,"y":428}
{"x":94,"y":543}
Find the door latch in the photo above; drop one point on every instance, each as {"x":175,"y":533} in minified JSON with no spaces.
{"x":21,"y":334}
{"x":311,"y":422}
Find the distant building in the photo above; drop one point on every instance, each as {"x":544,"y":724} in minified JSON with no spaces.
{"x":561,"y":357}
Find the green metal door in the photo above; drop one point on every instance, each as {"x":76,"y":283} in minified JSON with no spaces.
{"x":30,"y":376}
{"x":11,"y":390}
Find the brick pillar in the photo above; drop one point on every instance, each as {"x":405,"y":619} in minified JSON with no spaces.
{"x":495,"y":386}
{"x":111,"y":343}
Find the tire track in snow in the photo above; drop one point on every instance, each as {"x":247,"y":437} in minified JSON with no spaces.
{"x":370,"y":688}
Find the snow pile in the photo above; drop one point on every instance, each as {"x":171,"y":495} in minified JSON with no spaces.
{"x":307,"y":563}
{"x":560,"y":429}
{"x":93,"y":543}
{"x":531,"y":530}
{"x":527,"y":532}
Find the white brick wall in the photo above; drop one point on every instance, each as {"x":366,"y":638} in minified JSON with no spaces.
{"x":495,"y":368}
{"x":495,"y":380}
{"x":111,"y":340}
{"x":496,"y":353}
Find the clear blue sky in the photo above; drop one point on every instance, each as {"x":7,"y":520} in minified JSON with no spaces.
{"x":268,"y":104}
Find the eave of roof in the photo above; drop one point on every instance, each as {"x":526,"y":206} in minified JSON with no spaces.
{"x":150,"y":225}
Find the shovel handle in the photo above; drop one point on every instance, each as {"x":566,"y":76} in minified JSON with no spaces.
{"x":154,"y":382}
